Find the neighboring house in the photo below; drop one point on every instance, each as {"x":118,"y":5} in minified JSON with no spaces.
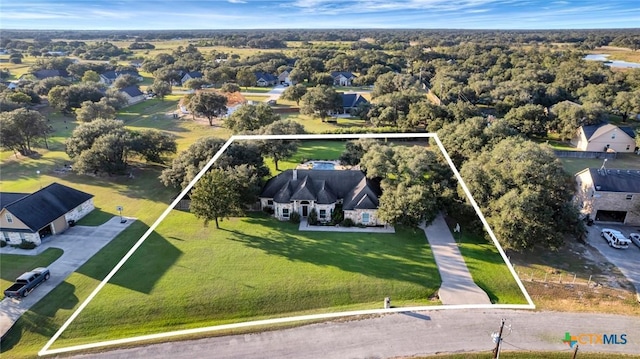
{"x":44,"y":74}
{"x":133,"y":95}
{"x":264,"y":79}
{"x":604,"y":137}
{"x":29,"y":217}
{"x":191,"y":75}
{"x":609,"y":195}
{"x":303,"y":190}
{"x":350,"y":101}
{"x":110,"y":77}
{"x":283,"y":78}
{"x":342,"y":78}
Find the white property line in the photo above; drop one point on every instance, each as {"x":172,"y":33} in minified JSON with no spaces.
{"x":45,"y":350}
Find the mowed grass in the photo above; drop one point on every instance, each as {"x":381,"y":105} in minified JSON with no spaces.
{"x":309,"y":150}
{"x":488,"y":269}
{"x":622,"y":161}
{"x":187,"y":275}
{"x":12,"y":266}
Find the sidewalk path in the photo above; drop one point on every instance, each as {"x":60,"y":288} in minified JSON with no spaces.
{"x":79,"y":243}
{"x":457,"y":285}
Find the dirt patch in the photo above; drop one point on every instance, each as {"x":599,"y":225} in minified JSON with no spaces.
{"x":575,"y":278}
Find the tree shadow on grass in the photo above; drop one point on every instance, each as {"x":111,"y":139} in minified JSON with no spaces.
{"x":147,"y":265}
{"x":399,"y":256}
{"x":41,"y":318}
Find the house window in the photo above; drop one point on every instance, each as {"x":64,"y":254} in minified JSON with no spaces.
{"x":6,"y":237}
{"x":8,"y":217}
{"x":285,"y":212}
{"x":365,"y":218}
{"x":269,"y":202}
{"x":22,"y":237}
{"x":629,"y":197}
{"x":323,"y":213}
{"x":628,"y":147}
{"x":613,"y":135}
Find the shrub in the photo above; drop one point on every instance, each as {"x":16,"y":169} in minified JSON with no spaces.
{"x":27,"y":245}
{"x":230,"y":87}
{"x":313,"y":217}
{"x":337,"y":215}
{"x":347,"y":222}
{"x":3,"y":243}
{"x":294,"y":217}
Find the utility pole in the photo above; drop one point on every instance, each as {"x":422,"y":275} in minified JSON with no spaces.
{"x":496,"y":350}
{"x":575,"y":352}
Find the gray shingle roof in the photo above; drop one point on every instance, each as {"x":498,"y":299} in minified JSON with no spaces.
{"x":325,"y":187}
{"x":590,"y":131}
{"x":352,"y":100}
{"x":9,"y":197}
{"x":265,"y":76}
{"x":346,"y":74}
{"x":616,"y":180}
{"x":44,"y":206}
{"x":132,"y":91}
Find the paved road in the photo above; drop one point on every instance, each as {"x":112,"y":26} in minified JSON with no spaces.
{"x":457,"y":285}
{"x":79,"y":243}
{"x":405,"y":334}
{"x":627,"y":260}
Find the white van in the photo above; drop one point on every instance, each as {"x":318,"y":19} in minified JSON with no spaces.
{"x":615,"y":238}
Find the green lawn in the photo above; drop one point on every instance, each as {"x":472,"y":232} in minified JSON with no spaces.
{"x":254,"y":267}
{"x":12,"y":266}
{"x":315,"y":125}
{"x":488,"y":269}
{"x":309,"y":150}
{"x":623,"y":161}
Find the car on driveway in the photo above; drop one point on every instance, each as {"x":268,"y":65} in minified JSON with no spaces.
{"x":615,"y":238}
{"x":27,"y":282}
{"x":635,"y":238}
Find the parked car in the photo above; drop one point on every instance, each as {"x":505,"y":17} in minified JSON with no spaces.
{"x":635,"y":238}
{"x":27,"y":282}
{"x":615,"y":238}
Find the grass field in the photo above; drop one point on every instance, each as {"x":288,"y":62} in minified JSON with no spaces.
{"x":12,"y":266}
{"x":623,"y":161}
{"x":251,"y":268}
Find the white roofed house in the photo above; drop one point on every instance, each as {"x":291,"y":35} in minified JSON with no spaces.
{"x":609,"y":195}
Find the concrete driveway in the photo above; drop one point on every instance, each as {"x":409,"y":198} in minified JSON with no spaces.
{"x":457,"y":285}
{"x":79,"y":243}
{"x":627,"y":260}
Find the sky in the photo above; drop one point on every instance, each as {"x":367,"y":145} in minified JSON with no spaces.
{"x":309,"y":14}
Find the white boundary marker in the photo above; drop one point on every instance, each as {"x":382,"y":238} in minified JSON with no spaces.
{"x":46,"y":351}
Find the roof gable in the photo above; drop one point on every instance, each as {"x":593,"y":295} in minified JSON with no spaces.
{"x":7,"y":198}
{"x":350,"y":100}
{"x":345,"y":74}
{"x":265,"y":76}
{"x":593,"y":132}
{"x":323,"y":186}
{"x":132,"y":91}
{"x":44,"y":206}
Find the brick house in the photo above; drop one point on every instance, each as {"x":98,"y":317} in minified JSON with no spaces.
{"x":304,"y":190}
{"x":609,"y":195}
{"x":28,"y":217}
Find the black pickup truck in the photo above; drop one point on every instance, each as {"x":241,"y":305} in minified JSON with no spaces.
{"x":27,"y":282}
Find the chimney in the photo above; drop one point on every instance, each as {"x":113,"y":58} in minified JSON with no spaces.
{"x":295,"y":175}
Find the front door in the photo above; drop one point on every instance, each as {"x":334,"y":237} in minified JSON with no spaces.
{"x":305,"y":211}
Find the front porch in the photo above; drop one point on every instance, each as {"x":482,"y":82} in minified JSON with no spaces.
{"x":304,"y":226}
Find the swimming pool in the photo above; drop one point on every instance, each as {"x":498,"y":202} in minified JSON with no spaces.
{"x":324,"y":166}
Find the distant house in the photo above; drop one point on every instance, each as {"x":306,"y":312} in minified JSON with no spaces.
{"x":264,"y":79}
{"x":110,"y":77}
{"x":191,"y":75}
{"x":609,"y":195}
{"x":284,"y":78}
{"x":44,"y":74}
{"x":351,"y":101}
{"x":604,"y":137}
{"x":132,"y":94}
{"x":28,"y":217}
{"x":302,"y":191}
{"x":342,"y":78}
